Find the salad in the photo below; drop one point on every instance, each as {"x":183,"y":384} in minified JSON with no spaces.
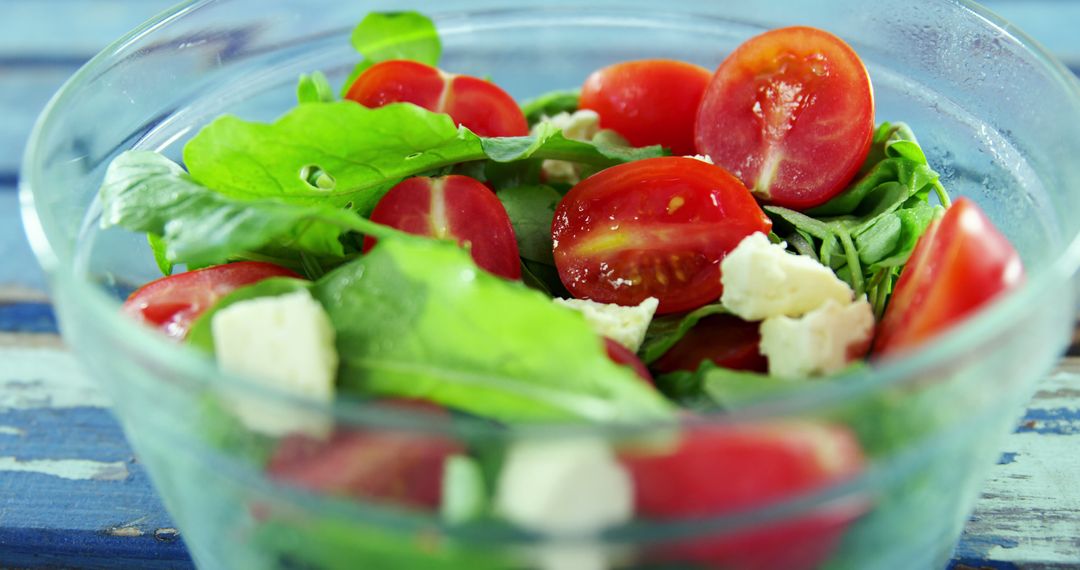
{"x":664,"y":243}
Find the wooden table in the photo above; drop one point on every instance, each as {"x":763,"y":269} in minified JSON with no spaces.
{"x":73,"y":495}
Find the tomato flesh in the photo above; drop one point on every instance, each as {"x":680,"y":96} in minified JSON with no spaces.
{"x":481,"y":106}
{"x":453,"y":207}
{"x":719,"y":470}
{"x":725,"y":340}
{"x":395,"y":468}
{"x":960,"y":264}
{"x":652,"y":228}
{"x":172,"y":303}
{"x":791,"y":113}
{"x":648,"y":102}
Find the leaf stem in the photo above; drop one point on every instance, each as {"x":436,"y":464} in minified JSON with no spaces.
{"x":854,"y":266}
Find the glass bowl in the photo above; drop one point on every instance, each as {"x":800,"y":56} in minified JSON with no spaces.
{"x":995,"y":114}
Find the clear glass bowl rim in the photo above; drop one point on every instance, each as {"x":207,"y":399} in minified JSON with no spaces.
{"x":165,"y":355}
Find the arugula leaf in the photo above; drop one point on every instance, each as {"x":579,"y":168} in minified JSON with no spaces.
{"x":314,"y":88}
{"x":382,"y":36}
{"x":146,"y":192}
{"x":201,"y":334}
{"x":158,"y":247}
{"x":531,"y":210}
{"x":348,"y":156}
{"x":665,"y":331}
{"x":415,"y":318}
{"x":550,"y":104}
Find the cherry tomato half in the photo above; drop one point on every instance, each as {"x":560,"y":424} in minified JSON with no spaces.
{"x":172,"y":303}
{"x":725,"y":340}
{"x":652,"y":101}
{"x":961,"y":263}
{"x":619,"y":354}
{"x":726,"y":469}
{"x":480,"y":105}
{"x":791,"y":113}
{"x":455,"y":207}
{"x":652,"y":228}
{"x":398,"y":468}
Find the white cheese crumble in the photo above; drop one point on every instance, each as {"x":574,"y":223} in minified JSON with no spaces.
{"x":624,"y":325}
{"x":822,"y":341}
{"x":286,"y":343}
{"x":564,"y":487}
{"x":581,"y":125}
{"x":702,"y":157}
{"x":762,"y":280}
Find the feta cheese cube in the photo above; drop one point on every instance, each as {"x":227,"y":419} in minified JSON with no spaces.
{"x":581,"y":125}
{"x":762,"y":280}
{"x":624,"y":325}
{"x":285,"y":343}
{"x":564,"y":487}
{"x":822,"y":341}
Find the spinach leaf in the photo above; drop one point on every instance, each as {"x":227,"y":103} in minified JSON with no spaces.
{"x":201,"y":334}
{"x":146,"y":192}
{"x":382,"y":36}
{"x":415,"y":318}
{"x":544,"y":278}
{"x":665,"y":331}
{"x":314,"y":88}
{"x":531,"y":210}
{"x":345,"y":155}
{"x":550,"y":104}
{"x":711,"y":387}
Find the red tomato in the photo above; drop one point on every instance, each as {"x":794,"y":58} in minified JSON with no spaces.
{"x":619,"y":354}
{"x":395,"y":468}
{"x":652,"y":101}
{"x":961,"y":263}
{"x":726,"y":340}
{"x":652,"y":228}
{"x":719,"y":470}
{"x":480,"y":105}
{"x":172,"y":303}
{"x":453,"y":207}
{"x":791,"y":113}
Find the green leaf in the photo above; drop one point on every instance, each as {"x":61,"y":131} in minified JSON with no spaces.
{"x":544,"y":278}
{"x":531,"y":210}
{"x":362,"y":151}
{"x":345,"y":155}
{"x":146,"y":192}
{"x":415,"y":318}
{"x":550,"y":104}
{"x":201,"y":334}
{"x":913,"y":224}
{"x":158,"y":247}
{"x":711,"y":387}
{"x":314,"y":88}
{"x":382,"y":36}
{"x":665,"y":331}
{"x":879,"y":240}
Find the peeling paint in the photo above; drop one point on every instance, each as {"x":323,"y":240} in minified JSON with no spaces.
{"x":128,"y":531}
{"x":45,"y":378}
{"x":11,"y":430}
{"x":74,"y":469}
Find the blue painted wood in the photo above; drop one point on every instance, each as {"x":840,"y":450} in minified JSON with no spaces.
{"x":18,"y":270}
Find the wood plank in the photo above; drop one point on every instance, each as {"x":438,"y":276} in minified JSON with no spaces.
{"x":73,"y":494}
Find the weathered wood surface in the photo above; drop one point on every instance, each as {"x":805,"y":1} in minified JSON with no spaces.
{"x":73,"y":495}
